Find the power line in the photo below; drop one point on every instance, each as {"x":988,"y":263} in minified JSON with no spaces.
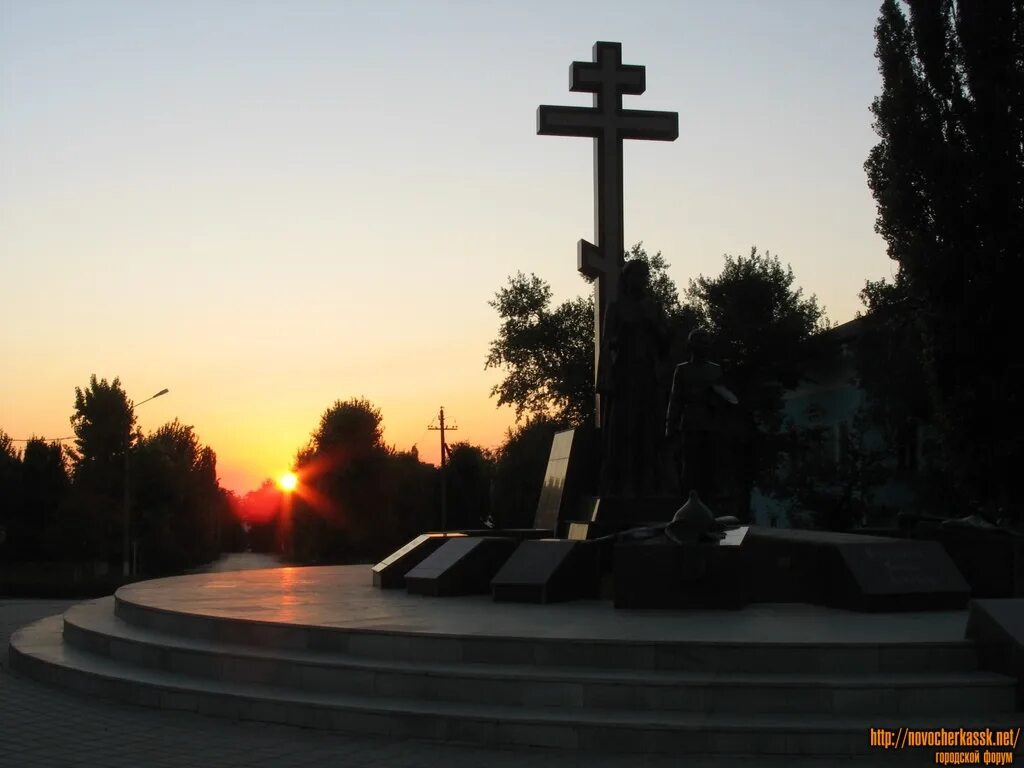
{"x":44,"y":439}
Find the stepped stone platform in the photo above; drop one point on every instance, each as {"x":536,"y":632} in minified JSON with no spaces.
{"x":322,"y":648}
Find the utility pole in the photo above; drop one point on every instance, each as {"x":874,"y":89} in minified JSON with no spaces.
{"x":444,"y":467}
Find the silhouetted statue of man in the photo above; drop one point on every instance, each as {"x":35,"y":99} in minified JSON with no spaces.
{"x":699,"y":414}
{"x":634,"y":342}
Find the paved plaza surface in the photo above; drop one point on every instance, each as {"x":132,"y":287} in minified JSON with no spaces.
{"x":45,"y":726}
{"x":339,"y":597}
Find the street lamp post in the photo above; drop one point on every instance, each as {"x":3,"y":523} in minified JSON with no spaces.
{"x":126,"y":568}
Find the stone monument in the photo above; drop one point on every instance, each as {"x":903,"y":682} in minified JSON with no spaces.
{"x":700,"y":413}
{"x":653,"y":550}
{"x":629,"y":336}
{"x":628,"y":383}
{"x":608,"y":124}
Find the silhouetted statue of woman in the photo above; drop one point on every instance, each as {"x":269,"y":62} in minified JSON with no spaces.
{"x":633,"y":344}
{"x":700,"y":413}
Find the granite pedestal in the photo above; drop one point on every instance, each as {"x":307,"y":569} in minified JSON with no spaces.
{"x":656,"y":573}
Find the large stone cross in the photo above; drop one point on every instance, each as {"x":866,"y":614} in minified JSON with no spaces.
{"x":608,"y":123}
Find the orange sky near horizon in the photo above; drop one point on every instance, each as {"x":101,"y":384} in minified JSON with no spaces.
{"x":266,"y":207}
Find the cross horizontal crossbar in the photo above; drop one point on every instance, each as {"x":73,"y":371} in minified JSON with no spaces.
{"x":590,"y":77}
{"x":626,"y":123}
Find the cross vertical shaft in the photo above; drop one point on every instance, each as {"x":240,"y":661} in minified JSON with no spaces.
{"x":607,"y":78}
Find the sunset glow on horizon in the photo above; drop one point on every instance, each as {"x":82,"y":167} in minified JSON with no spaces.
{"x":187,"y":189}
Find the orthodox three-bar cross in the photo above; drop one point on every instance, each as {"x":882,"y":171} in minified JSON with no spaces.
{"x":608,"y":123}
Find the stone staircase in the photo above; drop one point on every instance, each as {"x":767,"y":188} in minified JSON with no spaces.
{"x":601,"y":695}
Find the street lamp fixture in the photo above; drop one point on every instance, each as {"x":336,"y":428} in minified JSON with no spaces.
{"x":126,"y":568}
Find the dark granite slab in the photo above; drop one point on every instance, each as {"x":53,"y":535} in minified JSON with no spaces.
{"x":390,"y":572}
{"x":903,"y":575}
{"x":547,"y":571}
{"x":461,"y":566}
{"x":847,"y":570}
{"x":571,"y":473}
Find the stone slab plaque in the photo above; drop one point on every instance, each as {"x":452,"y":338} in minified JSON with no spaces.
{"x":390,"y":572}
{"x":570,"y":475}
{"x":849,"y":570}
{"x":902,"y":575}
{"x":460,"y":566}
{"x":550,"y":503}
{"x":547,"y":571}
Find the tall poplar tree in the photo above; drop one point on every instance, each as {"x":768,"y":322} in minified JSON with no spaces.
{"x":948,"y":179}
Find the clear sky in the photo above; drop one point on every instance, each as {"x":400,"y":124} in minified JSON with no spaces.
{"x":268,"y":206}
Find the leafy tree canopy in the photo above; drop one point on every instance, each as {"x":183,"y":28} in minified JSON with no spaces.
{"x":353,"y":427}
{"x":947,"y":176}
{"x":178,"y":501}
{"x":103,"y":422}
{"x":358,"y":499}
{"x":547,"y":352}
{"x":469,"y":474}
{"x":758,"y":320}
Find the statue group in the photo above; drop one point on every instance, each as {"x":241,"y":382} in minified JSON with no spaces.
{"x":653,"y":445}
{"x":649,"y":447}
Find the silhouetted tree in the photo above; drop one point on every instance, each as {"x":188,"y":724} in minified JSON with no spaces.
{"x":832,"y":478}
{"x":261,"y":510}
{"x":230,"y":530}
{"x":358,"y":499}
{"x":548,"y":354}
{"x":757,"y":317}
{"x":177,"y":501}
{"x":948,"y":179}
{"x":104,"y":425}
{"x":470,"y":470}
{"x":759,"y":322}
{"x":103,"y":422}
{"x":415,"y":498}
{"x":179,"y":510}
{"x":10,"y":490}
{"x":44,"y":487}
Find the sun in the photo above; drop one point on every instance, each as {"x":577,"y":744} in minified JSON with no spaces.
{"x":287,"y":482}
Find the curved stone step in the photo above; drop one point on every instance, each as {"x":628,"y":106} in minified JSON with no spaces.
{"x":94,"y":628}
{"x":855,"y":657}
{"x":39,"y":651}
